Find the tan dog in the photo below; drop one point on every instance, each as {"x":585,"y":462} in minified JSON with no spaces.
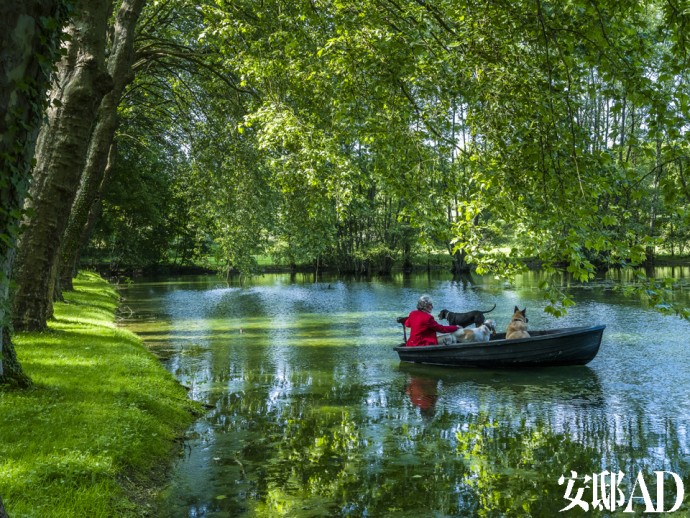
{"x":482,"y":333}
{"x":518,"y":325}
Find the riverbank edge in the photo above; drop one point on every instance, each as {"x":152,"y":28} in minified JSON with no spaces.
{"x":96,"y":433}
{"x":435,"y":263}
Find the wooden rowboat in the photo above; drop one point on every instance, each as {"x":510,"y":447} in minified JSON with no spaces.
{"x":567,"y":346}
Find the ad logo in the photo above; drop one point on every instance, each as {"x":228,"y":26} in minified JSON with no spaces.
{"x":606,"y":493}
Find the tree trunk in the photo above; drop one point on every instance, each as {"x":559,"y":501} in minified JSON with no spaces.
{"x":407,"y":260}
{"x":29,"y":42}
{"x":386,"y":266}
{"x":60,"y":155}
{"x":11,"y":372}
{"x":70,"y":264}
{"x":459,"y":263}
{"x":92,"y":180}
{"x":650,"y":250}
{"x":3,"y":513}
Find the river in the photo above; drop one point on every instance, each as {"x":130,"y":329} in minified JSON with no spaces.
{"x":311,"y":413}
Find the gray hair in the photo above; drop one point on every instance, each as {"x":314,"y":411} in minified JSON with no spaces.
{"x":424,"y":303}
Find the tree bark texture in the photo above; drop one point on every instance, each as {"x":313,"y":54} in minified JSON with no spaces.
{"x":3,"y":513}
{"x":107,"y":121}
{"x":13,"y":374}
{"x":69,"y":264}
{"x":81,"y":83}
{"x":29,"y":39}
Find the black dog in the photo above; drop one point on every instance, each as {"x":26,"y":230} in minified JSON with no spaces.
{"x":464,"y":319}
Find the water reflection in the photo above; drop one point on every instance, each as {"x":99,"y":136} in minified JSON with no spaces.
{"x":312,"y":414}
{"x":423,"y":394}
{"x":575,"y":386}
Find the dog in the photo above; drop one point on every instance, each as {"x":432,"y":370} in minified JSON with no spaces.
{"x":464,"y":319}
{"x":483,"y":333}
{"x":518,"y":325}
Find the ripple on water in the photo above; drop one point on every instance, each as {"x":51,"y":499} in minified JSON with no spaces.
{"x":308,"y":398}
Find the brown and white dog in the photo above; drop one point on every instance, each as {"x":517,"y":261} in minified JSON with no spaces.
{"x":518,"y":325}
{"x":483,"y":333}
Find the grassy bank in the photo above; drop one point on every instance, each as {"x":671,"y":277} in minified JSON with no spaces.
{"x":92,"y":434}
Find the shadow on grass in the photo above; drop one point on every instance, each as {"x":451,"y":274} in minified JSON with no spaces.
{"x":102,"y":410}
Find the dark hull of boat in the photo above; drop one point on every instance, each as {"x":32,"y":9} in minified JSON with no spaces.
{"x":569,"y":346}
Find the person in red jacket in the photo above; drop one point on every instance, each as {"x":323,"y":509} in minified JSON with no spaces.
{"x":423,"y":326}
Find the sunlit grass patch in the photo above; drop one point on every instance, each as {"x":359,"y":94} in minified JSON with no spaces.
{"x":102,"y":410}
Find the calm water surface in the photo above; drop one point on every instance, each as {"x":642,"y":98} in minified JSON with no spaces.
{"x":311,"y":414}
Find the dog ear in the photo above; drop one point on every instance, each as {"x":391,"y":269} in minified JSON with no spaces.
{"x":524,"y":312}
{"x":516,"y":309}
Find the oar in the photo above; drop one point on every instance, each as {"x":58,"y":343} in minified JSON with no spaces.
{"x":401,"y":320}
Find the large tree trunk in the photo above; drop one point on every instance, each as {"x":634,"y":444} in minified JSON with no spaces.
{"x":60,"y":155}
{"x":69,"y":263}
{"x":120,"y":69}
{"x":29,"y":39}
{"x":11,"y":373}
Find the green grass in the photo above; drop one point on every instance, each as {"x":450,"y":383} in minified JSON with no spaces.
{"x":94,"y":433}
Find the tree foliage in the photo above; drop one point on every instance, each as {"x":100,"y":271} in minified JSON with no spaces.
{"x":353,"y":134}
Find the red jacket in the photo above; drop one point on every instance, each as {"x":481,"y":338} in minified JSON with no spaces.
{"x":424,"y":329}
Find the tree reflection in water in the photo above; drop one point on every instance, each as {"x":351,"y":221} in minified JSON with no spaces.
{"x":314,"y":416}
{"x":450,"y":450}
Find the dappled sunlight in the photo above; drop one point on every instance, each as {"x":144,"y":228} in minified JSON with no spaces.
{"x":100,"y":405}
{"x":309,"y":403}
{"x":78,"y":324}
{"x":71,"y":362}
